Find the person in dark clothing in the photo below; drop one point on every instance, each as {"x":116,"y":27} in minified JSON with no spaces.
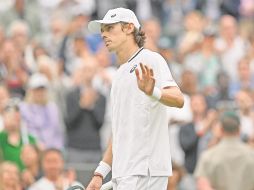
{"x":189,"y":143}
{"x":195,"y":136}
{"x":85,"y":115}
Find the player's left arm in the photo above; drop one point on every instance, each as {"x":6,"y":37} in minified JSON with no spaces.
{"x":169,"y":96}
{"x":172,"y":96}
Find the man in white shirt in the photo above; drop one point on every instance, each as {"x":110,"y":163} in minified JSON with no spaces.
{"x":54,"y":177}
{"x":143,"y":85}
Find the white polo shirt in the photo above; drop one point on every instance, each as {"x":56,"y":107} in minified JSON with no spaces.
{"x":139,"y":123}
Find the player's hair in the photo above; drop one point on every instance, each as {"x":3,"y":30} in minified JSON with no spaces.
{"x":138,"y":34}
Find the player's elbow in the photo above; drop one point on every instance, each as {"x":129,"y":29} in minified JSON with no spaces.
{"x":179,"y":99}
{"x":180,"y":102}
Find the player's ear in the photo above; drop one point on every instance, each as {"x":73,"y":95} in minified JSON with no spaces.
{"x":129,"y":28}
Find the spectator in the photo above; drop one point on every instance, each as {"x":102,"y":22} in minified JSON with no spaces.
{"x":53,"y":39}
{"x":247,"y":8}
{"x":245,"y":78}
{"x":189,"y":82}
{"x":13,"y":72}
{"x":9,"y":176}
{"x":54,"y":176}
{"x":214,"y":169}
{"x":30,"y":157}
{"x":207,"y":64}
{"x":245,"y":110}
{"x":75,"y":29}
{"x":190,"y":39}
{"x":81,"y":53}
{"x":177,"y":118}
{"x":152,"y":29}
{"x":85,"y":114}
{"x":4,"y":98}
{"x":41,"y":115}
{"x":250,"y":53}
{"x":230,"y":7}
{"x":220,"y":99}
{"x":14,"y":136}
{"x":194,"y":137}
{"x":172,"y":20}
{"x":58,"y":84}
{"x":230,"y":46}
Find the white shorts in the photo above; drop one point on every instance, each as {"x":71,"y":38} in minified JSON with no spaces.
{"x":140,"y":183}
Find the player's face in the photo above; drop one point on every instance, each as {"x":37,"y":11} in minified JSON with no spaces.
{"x":113,"y":35}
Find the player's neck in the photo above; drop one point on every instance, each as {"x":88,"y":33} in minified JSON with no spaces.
{"x":125,"y":53}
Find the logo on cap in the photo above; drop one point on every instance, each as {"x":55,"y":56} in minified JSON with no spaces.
{"x":112,"y":16}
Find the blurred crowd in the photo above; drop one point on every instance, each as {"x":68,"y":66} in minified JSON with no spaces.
{"x":55,"y":80}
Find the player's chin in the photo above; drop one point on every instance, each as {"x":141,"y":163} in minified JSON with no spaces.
{"x":110,"y":49}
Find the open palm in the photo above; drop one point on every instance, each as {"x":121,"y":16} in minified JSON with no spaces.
{"x":146,"y":79}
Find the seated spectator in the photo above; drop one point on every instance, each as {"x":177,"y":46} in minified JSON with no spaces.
{"x":40,"y":115}
{"x":228,"y":165}
{"x":9,"y":176}
{"x":53,"y":168}
{"x":30,"y":157}
{"x":14,"y":136}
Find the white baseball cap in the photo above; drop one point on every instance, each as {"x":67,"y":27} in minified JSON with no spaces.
{"x":38,"y":80}
{"x":114,"y":16}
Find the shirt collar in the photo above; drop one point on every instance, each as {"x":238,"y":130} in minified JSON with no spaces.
{"x":135,"y":54}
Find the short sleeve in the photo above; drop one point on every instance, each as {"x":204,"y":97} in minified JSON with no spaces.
{"x":162,"y":73}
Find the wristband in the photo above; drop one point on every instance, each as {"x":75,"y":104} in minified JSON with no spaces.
{"x":98,"y":175}
{"x":156,"y":93}
{"x":103,"y":169}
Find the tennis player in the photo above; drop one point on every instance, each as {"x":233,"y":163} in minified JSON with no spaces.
{"x":139,"y":151}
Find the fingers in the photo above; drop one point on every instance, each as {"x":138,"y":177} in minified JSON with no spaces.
{"x":137,"y":74}
{"x":143,"y":69}
{"x":146,"y":71}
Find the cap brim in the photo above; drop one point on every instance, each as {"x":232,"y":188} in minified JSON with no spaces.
{"x":95,"y":25}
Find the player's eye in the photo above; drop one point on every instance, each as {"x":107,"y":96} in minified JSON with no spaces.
{"x":109,"y":27}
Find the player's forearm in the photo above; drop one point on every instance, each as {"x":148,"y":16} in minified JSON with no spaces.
{"x":108,"y":154}
{"x":172,"y":96}
{"x":104,"y":166}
